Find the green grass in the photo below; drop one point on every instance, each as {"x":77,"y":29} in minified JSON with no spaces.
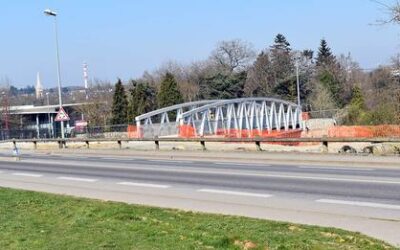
{"x":30,"y":220}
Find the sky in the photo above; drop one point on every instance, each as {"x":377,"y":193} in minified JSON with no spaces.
{"x":122,"y":38}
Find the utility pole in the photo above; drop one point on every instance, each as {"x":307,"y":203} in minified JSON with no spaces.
{"x":298,"y":82}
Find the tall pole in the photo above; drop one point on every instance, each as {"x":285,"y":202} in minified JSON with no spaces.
{"x":54,"y":14}
{"x":298,"y":83}
{"x":48,"y":115}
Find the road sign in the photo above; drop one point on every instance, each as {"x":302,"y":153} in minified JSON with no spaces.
{"x":61,"y":116}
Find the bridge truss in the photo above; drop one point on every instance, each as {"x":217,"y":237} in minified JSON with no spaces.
{"x":243,"y":117}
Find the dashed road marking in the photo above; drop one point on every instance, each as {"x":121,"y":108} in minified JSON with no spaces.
{"x":337,"y":168}
{"x":170,"y":161}
{"x":241,"y":164}
{"x":149,"y":185}
{"x":27,"y":175}
{"x":76,"y":179}
{"x":217,"y":191}
{"x":360,"y":204}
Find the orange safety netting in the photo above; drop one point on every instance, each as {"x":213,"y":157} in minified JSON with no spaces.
{"x":187,"y":131}
{"x":365,"y":131}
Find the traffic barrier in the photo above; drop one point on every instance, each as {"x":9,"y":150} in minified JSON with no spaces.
{"x":133,"y":132}
{"x":186,"y":131}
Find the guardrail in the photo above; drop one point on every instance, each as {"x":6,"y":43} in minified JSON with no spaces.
{"x":257,"y":141}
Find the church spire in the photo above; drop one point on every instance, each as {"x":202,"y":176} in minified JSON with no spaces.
{"x":39,"y":87}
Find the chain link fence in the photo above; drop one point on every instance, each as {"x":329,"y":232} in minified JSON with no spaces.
{"x":108,"y":131}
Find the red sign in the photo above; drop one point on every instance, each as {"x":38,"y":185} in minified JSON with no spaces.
{"x":61,"y":116}
{"x":81,"y":123}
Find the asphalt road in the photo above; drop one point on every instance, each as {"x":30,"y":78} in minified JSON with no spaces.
{"x":365,"y":199}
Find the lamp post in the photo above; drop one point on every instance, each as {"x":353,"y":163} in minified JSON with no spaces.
{"x":49,"y":123}
{"x":298,"y":82}
{"x":51,"y":13}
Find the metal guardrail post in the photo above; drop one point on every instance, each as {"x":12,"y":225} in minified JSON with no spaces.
{"x":325,"y":145}
{"x":203,"y":145}
{"x":258,"y":146}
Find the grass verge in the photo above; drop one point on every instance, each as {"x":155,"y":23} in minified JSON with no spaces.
{"x":31,"y":220}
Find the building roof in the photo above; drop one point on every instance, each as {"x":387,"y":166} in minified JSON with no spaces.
{"x":31,"y":109}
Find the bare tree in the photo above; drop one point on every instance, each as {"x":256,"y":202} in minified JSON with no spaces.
{"x":188,"y":76}
{"x":233,"y":55}
{"x":392,"y":12}
{"x":321,"y":99}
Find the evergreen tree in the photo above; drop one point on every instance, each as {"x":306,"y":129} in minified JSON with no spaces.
{"x":142,"y":99}
{"x":281,"y":60}
{"x":133,"y":102}
{"x":260,"y":80}
{"x":356,"y":111}
{"x":328,"y":73}
{"x":169,"y":93}
{"x":222,"y":86}
{"x":120,"y":105}
{"x":287,"y":90}
{"x":329,"y":81}
{"x":325,"y":56}
{"x":357,"y":98}
{"x":280,"y":43}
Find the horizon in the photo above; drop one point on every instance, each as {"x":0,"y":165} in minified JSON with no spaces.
{"x":124,"y":39}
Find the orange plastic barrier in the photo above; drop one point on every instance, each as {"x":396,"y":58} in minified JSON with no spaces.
{"x":186,"y":131}
{"x":133,"y":132}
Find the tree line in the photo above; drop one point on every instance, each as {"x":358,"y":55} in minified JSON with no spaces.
{"x":235,"y":70}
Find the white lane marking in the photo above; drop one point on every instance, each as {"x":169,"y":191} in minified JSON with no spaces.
{"x":76,"y":179}
{"x":73,"y":156}
{"x":278,"y":176}
{"x":27,"y":174}
{"x":149,"y":185}
{"x":337,"y":168}
{"x":217,"y":191}
{"x":115,"y":159}
{"x":170,"y":161}
{"x":258,"y":174}
{"x":360,"y":204}
{"x":241,"y":164}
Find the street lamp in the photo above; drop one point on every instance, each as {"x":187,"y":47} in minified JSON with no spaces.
{"x":51,"y":13}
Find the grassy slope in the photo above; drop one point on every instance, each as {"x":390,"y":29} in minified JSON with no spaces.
{"x":30,"y":220}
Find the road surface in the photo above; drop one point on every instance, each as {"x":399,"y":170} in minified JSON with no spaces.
{"x":364,"y":199}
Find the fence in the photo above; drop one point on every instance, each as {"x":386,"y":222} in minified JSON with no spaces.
{"x":108,"y":131}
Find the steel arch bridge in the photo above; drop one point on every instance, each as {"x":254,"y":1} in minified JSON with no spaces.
{"x":243,"y":117}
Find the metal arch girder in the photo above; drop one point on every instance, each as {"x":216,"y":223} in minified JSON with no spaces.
{"x":218,"y":103}
{"x":172,"y":108}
